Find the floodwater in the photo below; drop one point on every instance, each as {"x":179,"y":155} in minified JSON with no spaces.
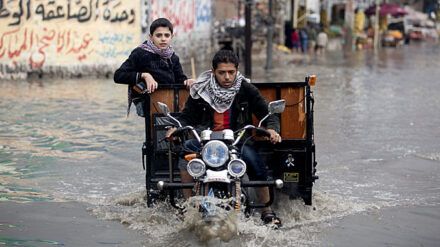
{"x":377,"y":121}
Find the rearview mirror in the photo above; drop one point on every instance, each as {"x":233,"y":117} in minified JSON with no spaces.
{"x":277,"y":106}
{"x":164,"y":108}
{"x":274,"y":107}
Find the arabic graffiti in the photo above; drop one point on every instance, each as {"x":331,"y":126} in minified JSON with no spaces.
{"x":203,"y":13}
{"x":80,"y":11}
{"x":180,"y":12}
{"x":111,"y":45}
{"x":38,"y":44}
{"x":145,"y":16}
{"x":191,"y":20}
{"x":63,"y":32}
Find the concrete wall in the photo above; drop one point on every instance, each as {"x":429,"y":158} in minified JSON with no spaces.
{"x":91,"y":37}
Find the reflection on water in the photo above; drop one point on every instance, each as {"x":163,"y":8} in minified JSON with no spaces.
{"x":17,"y":242}
{"x":376,"y":129}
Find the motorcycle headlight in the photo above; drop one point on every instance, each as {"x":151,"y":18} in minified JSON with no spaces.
{"x":196,"y":168}
{"x":215,"y":153}
{"x":237,"y":168}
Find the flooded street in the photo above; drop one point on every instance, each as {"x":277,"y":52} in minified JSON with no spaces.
{"x":377,"y":124}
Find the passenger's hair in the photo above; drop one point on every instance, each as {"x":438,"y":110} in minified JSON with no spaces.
{"x":161,"y":22}
{"x":224,"y":56}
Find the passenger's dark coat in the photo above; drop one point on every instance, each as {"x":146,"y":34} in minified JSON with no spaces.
{"x":141,"y":60}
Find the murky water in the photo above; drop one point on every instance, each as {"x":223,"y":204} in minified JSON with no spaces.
{"x":377,"y":121}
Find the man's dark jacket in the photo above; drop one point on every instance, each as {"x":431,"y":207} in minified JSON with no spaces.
{"x":141,"y":60}
{"x":199,"y":114}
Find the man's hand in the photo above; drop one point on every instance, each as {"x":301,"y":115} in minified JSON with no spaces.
{"x":150,"y":82}
{"x":189,"y":82}
{"x":168,"y":134}
{"x":274,"y":136}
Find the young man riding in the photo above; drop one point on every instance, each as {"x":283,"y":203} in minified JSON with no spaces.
{"x":223,"y":98}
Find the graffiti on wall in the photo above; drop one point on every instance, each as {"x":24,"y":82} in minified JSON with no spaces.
{"x":203,"y":13}
{"x":186,"y":16}
{"x":191,"y":20}
{"x":39,"y":32}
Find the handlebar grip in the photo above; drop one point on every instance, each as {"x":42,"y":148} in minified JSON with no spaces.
{"x":178,"y":131}
{"x":262,"y":132}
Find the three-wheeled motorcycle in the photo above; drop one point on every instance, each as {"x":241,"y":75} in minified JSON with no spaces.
{"x":291,"y":163}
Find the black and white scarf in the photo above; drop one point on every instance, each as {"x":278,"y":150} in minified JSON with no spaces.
{"x":219,"y":98}
{"x":164,"y":54}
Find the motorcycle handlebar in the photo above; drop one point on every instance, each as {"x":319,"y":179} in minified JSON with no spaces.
{"x":259,"y":131}
{"x":179,"y":131}
{"x":262,"y":132}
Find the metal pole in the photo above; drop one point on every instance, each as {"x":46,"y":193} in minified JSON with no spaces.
{"x":349,"y":24}
{"x":269,"y":64}
{"x":148,"y":148}
{"x":295,"y":14}
{"x":291,"y":12}
{"x":376,"y":26}
{"x":248,"y":39}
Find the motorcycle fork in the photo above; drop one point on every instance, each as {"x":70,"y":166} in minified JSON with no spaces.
{"x":233,"y":190}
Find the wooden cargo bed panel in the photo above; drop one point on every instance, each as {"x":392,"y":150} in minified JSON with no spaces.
{"x":183,"y":96}
{"x":167,"y":96}
{"x":293,"y":119}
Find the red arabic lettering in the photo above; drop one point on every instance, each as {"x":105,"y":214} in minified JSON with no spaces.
{"x":16,"y":53}
{"x":18,"y":42}
{"x":180,"y":13}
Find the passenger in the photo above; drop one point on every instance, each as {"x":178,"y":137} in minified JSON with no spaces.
{"x":222,"y":98}
{"x":153,"y":62}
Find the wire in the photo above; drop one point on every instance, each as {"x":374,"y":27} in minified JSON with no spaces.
{"x":296,"y":102}
{"x":244,"y":143}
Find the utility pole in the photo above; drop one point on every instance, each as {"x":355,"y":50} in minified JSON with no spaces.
{"x":349,"y":25}
{"x":291,"y":12}
{"x":248,"y":39}
{"x":376,"y":27}
{"x":295,"y":13}
{"x":269,"y":64}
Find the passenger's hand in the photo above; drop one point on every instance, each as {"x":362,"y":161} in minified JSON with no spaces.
{"x":150,"y":82}
{"x":189,"y":82}
{"x":168,"y":134}
{"x":274,"y":136}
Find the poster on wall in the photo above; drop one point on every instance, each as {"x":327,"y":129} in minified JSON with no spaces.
{"x":63,"y":32}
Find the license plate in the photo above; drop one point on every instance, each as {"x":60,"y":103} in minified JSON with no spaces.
{"x":223,"y":180}
{"x":291,"y":177}
{"x":216,"y":176}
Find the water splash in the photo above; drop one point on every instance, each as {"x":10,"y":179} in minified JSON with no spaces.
{"x":161,"y":225}
{"x":221,"y":222}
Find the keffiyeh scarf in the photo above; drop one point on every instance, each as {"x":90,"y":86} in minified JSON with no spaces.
{"x":164,"y":54}
{"x":219,"y":98}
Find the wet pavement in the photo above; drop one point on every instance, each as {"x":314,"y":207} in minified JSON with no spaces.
{"x":377,"y":118}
